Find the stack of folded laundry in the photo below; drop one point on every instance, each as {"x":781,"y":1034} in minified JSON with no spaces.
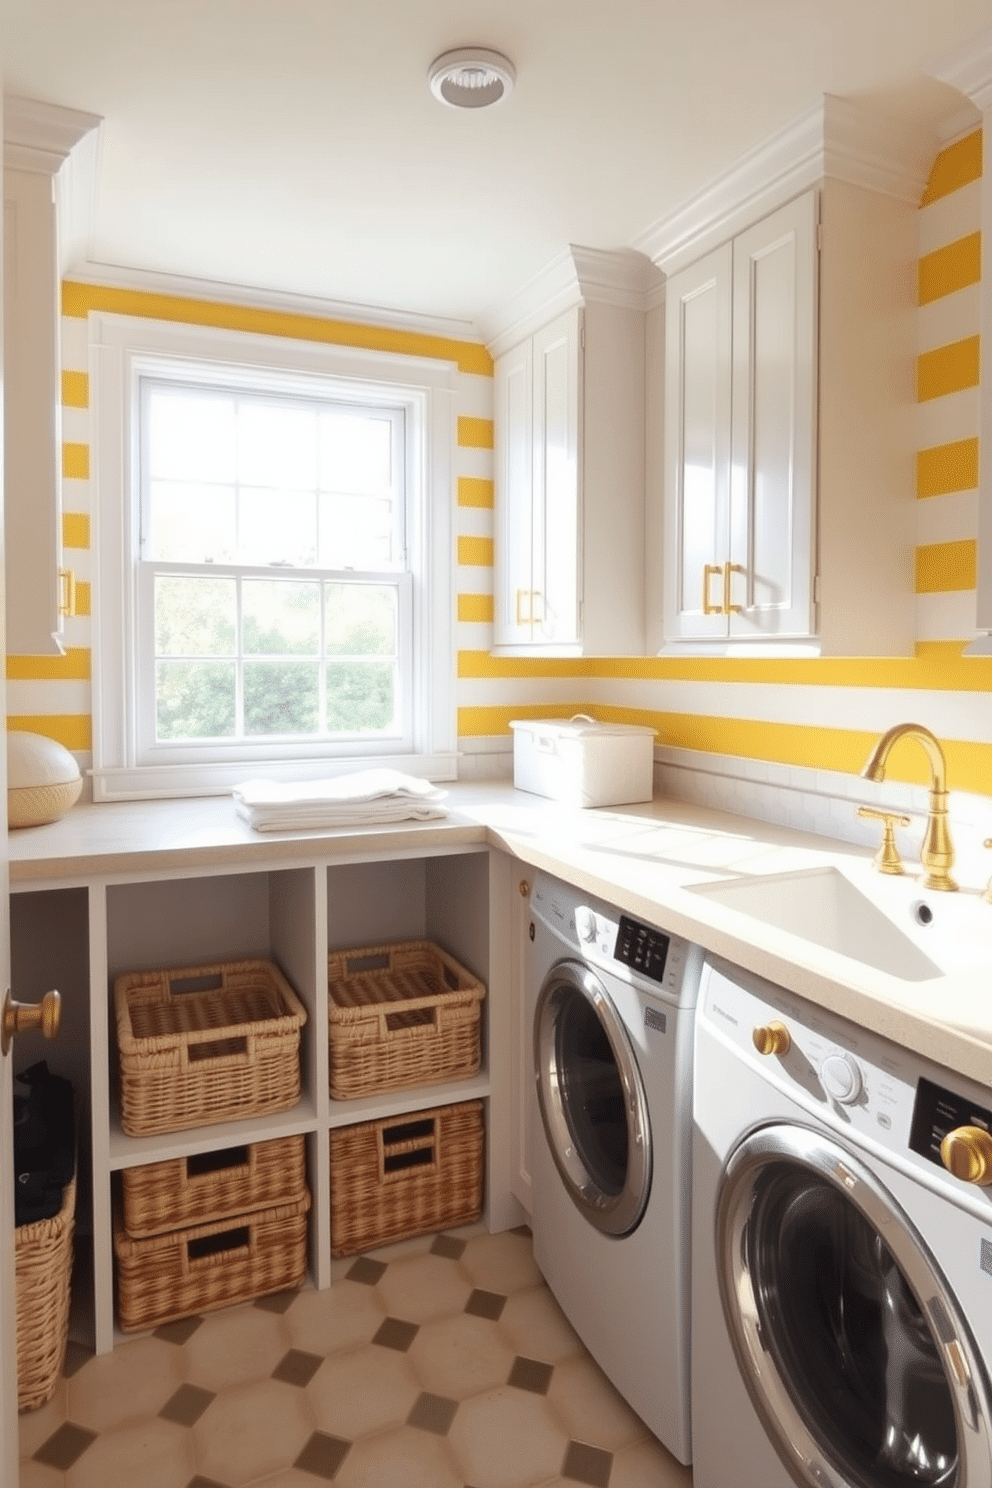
{"x":363,"y":798}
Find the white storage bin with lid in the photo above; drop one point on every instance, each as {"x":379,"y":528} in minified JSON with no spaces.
{"x":582,"y":762}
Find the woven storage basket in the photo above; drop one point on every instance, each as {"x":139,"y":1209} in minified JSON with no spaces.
{"x":205,"y":1044}
{"x":406,"y":1176}
{"x":400,"y":1015}
{"x":210,"y":1186}
{"x":208,"y":1266}
{"x":43,"y":1265}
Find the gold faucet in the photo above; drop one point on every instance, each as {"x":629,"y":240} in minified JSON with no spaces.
{"x":937,"y":851}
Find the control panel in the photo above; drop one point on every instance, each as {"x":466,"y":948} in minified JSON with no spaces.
{"x":641,"y":948}
{"x":938,"y":1112}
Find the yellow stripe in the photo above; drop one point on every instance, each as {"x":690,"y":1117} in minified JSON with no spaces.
{"x":475,"y":608}
{"x":481,"y":722}
{"x":71,"y":730}
{"x":947,"y":467}
{"x":75,"y":530}
{"x":472,"y":491}
{"x":75,"y":390}
{"x":949,"y":269}
{"x":954,"y":168}
{"x":476,"y":551}
{"x":938,"y":667}
{"x":475,"y":433}
{"x":944,"y":567}
{"x":83,"y":597}
{"x":79,"y":299}
{"x":74,"y":666}
{"x":947,"y":369}
{"x":76,"y":461}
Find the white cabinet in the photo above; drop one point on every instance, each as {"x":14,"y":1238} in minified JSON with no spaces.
{"x":569,"y":421}
{"x":41,"y":192}
{"x":740,"y":432}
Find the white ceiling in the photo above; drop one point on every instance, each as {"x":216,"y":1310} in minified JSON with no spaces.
{"x":294,"y":146}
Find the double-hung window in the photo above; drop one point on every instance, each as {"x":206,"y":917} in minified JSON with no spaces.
{"x":284,"y":564}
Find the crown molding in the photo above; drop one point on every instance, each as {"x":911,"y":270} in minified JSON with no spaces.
{"x":115,"y":276}
{"x":835,"y":138}
{"x":578,"y":276}
{"x":969,"y":69}
{"x":41,"y":136}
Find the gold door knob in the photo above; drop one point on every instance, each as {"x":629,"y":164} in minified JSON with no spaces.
{"x":772,"y":1038}
{"x":20,"y":1017}
{"x":967,"y":1153}
{"x":523,"y":888}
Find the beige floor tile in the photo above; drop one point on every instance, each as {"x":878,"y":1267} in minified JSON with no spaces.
{"x":36,"y":1426}
{"x":293,"y":1478}
{"x":346,"y":1315}
{"x":357,"y":1393}
{"x":427,"y":1286}
{"x":505,"y":1439}
{"x":460,"y":1356}
{"x":252,"y":1431}
{"x":589,"y":1408}
{"x":537,"y":1328}
{"x":134,"y":1381}
{"x":152,"y":1453}
{"x":399,"y":1459}
{"x":501,"y":1263}
{"x":37,"y":1475}
{"x":231,"y":1347}
{"x":646,"y":1464}
{"x":402,"y":1250}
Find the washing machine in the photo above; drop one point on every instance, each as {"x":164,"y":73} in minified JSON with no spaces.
{"x":611,"y":1004}
{"x":842,"y":1276}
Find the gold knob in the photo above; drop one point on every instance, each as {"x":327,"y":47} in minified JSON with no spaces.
{"x":20,"y":1017}
{"x":524,"y":888}
{"x":887,"y":859}
{"x":772,"y":1038}
{"x":967,"y":1153}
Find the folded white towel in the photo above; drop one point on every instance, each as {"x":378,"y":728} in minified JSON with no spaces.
{"x":361,"y":798}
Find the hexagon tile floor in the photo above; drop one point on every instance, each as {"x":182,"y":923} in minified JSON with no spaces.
{"x":441,"y":1363}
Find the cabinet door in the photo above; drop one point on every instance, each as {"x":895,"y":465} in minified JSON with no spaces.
{"x":698,"y":322}
{"x":772,"y":498}
{"x":556,"y":517}
{"x":514,"y":410}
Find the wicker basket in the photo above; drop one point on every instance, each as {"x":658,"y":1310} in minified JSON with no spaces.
{"x":205,"y":1044}
{"x":406,"y":1176}
{"x":43,"y":1264}
{"x":209,"y":1186}
{"x":400,"y":1015}
{"x":209,"y":1266}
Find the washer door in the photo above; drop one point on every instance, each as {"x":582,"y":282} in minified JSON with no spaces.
{"x":854,"y":1350}
{"x":592,"y":1099}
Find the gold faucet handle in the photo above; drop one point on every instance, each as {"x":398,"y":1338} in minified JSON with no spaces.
{"x":887,"y":859}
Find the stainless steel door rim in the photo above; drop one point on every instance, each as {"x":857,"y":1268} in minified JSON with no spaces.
{"x":592,"y":1100}
{"x":903,"y":1328}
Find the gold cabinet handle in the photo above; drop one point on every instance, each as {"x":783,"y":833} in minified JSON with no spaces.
{"x":987,"y":896}
{"x":887,"y":859}
{"x":728,"y":569}
{"x":20,"y":1017}
{"x":522,"y":619}
{"x":708,"y":570}
{"x":67,"y":599}
{"x":967,"y":1153}
{"x":772,"y":1038}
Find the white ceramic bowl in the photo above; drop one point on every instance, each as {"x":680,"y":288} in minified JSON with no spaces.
{"x":43,"y":779}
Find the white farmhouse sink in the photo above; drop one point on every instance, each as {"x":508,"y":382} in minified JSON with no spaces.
{"x":900,"y":929}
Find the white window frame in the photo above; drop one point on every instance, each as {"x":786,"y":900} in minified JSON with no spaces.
{"x":122,"y":349}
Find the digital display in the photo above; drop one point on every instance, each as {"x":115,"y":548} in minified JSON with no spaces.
{"x":937,"y":1111}
{"x":641,"y":948}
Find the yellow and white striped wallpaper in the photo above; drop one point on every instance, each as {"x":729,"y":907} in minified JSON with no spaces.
{"x":823,"y":713}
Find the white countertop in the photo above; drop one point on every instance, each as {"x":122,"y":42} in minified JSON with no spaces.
{"x":644,"y":859}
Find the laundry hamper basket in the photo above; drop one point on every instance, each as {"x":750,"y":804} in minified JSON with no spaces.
{"x":406,"y":1176}
{"x":43,"y":1267}
{"x":206,"y":1043}
{"x":400,"y":1015}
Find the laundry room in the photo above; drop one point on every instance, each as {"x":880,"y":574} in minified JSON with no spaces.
{"x":495,"y":521}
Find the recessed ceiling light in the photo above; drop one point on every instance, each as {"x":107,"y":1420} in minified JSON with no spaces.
{"x":471,"y":77}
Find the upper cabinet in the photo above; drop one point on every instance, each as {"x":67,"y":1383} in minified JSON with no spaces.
{"x":781,"y":498}
{"x":569,"y":416}
{"x":45,"y":196}
{"x":740,"y":430}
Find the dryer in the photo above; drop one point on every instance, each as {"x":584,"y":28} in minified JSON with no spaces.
{"x":610,"y":1002}
{"x":842,"y":1277}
